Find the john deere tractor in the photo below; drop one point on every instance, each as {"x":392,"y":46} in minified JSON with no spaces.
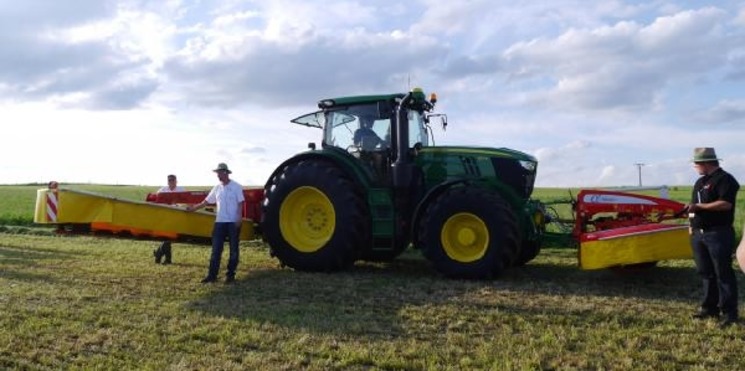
{"x":377,"y":185}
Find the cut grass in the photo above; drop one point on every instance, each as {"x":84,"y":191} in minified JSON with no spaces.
{"x":84,"y":302}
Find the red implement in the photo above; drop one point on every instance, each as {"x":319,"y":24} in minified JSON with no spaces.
{"x":598,"y":210}
{"x":251,"y":207}
{"x":625,"y":229}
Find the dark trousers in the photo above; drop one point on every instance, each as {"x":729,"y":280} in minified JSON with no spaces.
{"x":712,"y":251}
{"x":219,"y":232}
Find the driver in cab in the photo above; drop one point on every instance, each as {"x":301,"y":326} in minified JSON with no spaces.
{"x":365,"y":137}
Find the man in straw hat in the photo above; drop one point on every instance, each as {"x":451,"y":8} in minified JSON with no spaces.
{"x":228,"y":195}
{"x":711,"y":213}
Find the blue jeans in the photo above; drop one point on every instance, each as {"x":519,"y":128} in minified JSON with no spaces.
{"x":219,"y":232}
{"x":712,"y":251}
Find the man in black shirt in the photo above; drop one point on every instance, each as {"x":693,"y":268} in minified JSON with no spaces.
{"x":711,"y":213}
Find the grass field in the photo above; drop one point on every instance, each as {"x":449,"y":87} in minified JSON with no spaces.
{"x":98,"y":303}
{"x":94,"y":303}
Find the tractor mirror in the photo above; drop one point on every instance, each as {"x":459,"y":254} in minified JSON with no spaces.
{"x":438,"y":117}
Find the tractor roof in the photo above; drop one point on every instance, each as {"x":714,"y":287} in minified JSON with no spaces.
{"x":358,"y":99}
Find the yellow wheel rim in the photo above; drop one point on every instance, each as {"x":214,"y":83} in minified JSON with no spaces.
{"x":539,"y":219}
{"x":465,"y":237}
{"x":307,"y":219}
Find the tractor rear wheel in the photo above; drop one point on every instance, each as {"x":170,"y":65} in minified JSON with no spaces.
{"x":313,"y":220}
{"x":469,"y":232}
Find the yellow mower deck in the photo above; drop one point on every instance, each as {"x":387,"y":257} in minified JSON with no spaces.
{"x":628,"y":246}
{"x":108,"y":214}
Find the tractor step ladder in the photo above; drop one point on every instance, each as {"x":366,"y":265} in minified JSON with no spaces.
{"x":382,"y":212}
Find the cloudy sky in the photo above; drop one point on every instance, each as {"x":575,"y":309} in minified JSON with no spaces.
{"x":125,"y":92}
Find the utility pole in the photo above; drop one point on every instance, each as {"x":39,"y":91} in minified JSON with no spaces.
{"x":639,"y":167}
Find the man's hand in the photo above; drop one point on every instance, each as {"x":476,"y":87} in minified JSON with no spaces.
{"x":196,"y":206}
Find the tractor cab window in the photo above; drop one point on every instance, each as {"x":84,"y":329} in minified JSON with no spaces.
{"x":339,"y":129}
{"x":365,"y":127}
{"x":417,"y":129}
{"x":358,"y":128}
{"x":371,"y":133}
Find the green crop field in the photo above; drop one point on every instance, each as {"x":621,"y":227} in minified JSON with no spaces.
{"x":101,"y":303}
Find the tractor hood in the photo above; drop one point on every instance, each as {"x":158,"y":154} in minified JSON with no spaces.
{"x":514,"y":169}
{"x":481,"y":151}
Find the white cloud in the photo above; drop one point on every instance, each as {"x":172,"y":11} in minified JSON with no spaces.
{"x":589,"y":88}
{"x":739,"y":20}
{"x":626,"y":66}
{"x":725,"y":112}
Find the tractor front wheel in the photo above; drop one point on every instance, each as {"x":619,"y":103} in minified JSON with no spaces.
{"x":469,"y":232}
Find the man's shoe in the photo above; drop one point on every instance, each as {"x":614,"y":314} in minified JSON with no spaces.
{"x":167,"y":252}
{"x":157,"y":255}
{"x":729,"y":321}
{"x":229,"y":279}
{"x":209,"y":279}
{"x":703,"y":314}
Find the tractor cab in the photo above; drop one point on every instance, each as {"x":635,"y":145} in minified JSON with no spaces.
{"x":363,"y":124}
{"x":365,"y":127}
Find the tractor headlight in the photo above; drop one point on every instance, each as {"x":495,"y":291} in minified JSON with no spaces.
{"x":528,"y":165}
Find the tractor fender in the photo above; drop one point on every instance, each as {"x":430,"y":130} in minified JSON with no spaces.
{"x":361,"y":176}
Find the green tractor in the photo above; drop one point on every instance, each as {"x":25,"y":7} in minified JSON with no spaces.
{"x":378,"y":185}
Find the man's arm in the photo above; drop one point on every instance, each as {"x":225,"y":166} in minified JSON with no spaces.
{"x":239,"y":219}
{"x":718,"y":205}
{"x":196,"y":207}
{"x":210,"y":199}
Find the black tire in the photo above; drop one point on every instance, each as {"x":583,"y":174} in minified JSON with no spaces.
{"x":531,"y":248}
{"x":313,"y":219}
{"x":528,"y":252}
{"x":469,"y":232}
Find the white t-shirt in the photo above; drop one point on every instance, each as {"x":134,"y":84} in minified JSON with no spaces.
{"x":166,"y":189}
{"x":227,"y":197}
